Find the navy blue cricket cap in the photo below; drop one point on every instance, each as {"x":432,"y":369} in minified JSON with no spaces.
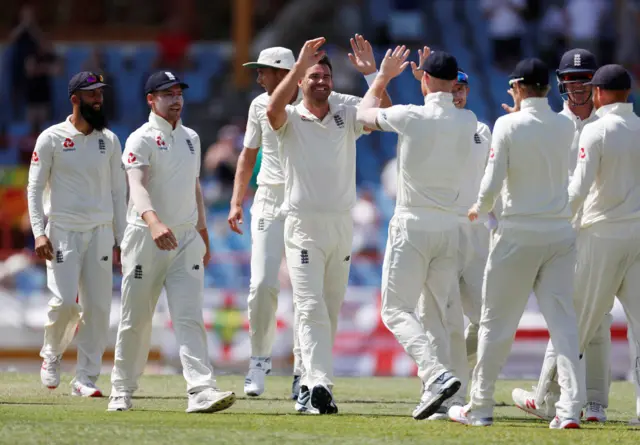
{"x":86,"y":81}
{"x":441,"y":65}
{"x":611,"y":77}
{"x":577,"y":61}
{"x":530,"y":72}
{"x":163,"y":80}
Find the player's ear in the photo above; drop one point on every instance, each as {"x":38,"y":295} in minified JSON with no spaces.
{"x":149,"y":99}
{"x":74,"y":99}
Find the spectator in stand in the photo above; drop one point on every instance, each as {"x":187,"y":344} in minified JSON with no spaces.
{"x":40,"y":68}
{"x":220,"y":161}
{"x":174,"y":42}
{"x":96,"y":63}
{"x":585,"y":22}
{"x":406,"y":23}
{"x":389,"y":178}
{"x":506,"y":28}
{"x":552,"y":38}
{"x":26,"y":144}
{"x":365,"y":226}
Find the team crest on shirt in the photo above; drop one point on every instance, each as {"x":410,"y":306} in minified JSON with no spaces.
{"x":68,"y":145}
{"x":476,"y":138}
{"x":190,"y":145}
{"x":162,"y":145}
{"x":339,"y":119}
{"x":101,"y":146}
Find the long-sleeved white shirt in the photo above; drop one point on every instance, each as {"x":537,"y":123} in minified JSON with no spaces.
{"x":259,"y":134}
{"x":473,"y":171}
{"x":578,"y":125}
{"x":434,"y":143}
{"x":173,"y":158}
{"x":530,"y":156}
{"x":77,"y":180}
{"x":606,"y":183}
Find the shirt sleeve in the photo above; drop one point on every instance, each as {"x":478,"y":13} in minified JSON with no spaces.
{"x":137,"y":153}
{"x":587,"y":166}
{"x":290,"y":110}
{"x":496,"y":170}
{"x":198,"y":148}
{"x":253,"y":133}
{"x":118,"y":191}
{"x":394,"y":118}
{"x":39,"y":174}
{"x":346,"y":99}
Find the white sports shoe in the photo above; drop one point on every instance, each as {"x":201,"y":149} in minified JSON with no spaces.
{"x":259,"y":367}
{"x":461,"y":414}
{"x":50,"y":372}
{"x":121,"y":402}
{"x":526,"y":401}
{"x":595,"y":412}
{"x":566,"y":424}
{"x":445,"y":386}
{"x":303,"y":401}
{"x":210,"y":400}
{"x":85,"y":389}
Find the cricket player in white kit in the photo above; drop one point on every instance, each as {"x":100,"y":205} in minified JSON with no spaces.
{"x":533,"y":248}
{"x":267,"y":223}
{"x":606,"y":180}
{"x":317,"y":148}
{"x":165,"y":245}
{"x":577,"y":67}
{"x":76,"y":179}
{"x":434,"y":140}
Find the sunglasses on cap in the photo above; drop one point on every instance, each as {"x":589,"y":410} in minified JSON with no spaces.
{"x":94,"y":78}
{"x":462,"y":78}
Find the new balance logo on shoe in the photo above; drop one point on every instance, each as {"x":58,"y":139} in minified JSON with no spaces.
{"x":137,"y":273}
{"x":304,"y":256}
{"x":59,"y":256}
{"x":531,"y":404}
{"x":476,"y":138}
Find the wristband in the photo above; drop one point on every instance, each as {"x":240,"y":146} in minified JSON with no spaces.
{"x":370,"y":78}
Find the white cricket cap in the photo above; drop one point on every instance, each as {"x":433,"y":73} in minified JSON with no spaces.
{"x":276,"y":57}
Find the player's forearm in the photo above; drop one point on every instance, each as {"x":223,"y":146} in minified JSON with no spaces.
{"x":35,"y":194}
{"x":204,"y":234}
{"x":367,"y":113}
{"x":489,"y":189}
{"x":278,"y":101}
{"x":140,"y":196}
{"x":119,"y":197}
{"x":244,"y":171}
{"x":202,"y":211}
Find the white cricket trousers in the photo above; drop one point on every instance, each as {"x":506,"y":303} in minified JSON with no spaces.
{"x":318,"y":251}
{"x":519,"y":261}
{"x":419,"y":263}
{"x":146,"y":270}
{"x":466,"y":299}
{"x":267,"y":250}
{"x":82,"y":271}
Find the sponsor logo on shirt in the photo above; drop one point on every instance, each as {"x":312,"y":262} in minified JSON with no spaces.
{"x":190,"y":145}
{"x":583,"y":153}
{"x":68,"y":145}
{"x":491,"y":153}
{"x":131,"y":159}
{"x":161,"y":143}
{"x":305,"y":119}
{"x":34,"y":157}
{"x":101,"y":146}
{"x":338,"y":119}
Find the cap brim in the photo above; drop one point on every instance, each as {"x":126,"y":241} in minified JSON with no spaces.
{"x":166,"y":86}
{"x":574,"y":71}
{"x":263,"y":65}
{"x":93,"y":86}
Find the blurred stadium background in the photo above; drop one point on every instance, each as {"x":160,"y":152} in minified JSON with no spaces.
{"x":43,"y":43}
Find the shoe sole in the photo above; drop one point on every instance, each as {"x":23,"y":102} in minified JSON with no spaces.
{"x":438,"y":416}
{"x":570,"y":426}
{"x":253,"y":393}
{"x":595,"y":419}
{"x":96,"y":394}
{"x":112,"y":410}
{"x":321,"y":400}
{"x":218,"y":405}
{"x":445,"y":393}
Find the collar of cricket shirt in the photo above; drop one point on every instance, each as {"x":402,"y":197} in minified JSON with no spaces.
{"x":72,"y":130}
{"x":535,"y":103}
{"x":161,"y":123}
{"x":619,"y":108}
{"x":568,"y":112}
{"x":333,"y":108}
{"x":439,"y":97}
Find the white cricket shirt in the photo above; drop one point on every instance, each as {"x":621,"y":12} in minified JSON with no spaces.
{"x":259,"y":134}
{"x":608,"y":171}
{"x":319,"y":159}
{"x":530,"y":149}
{"x":473,"y":171}
{"x":77,"y":180}
{"x":434,"y":143}
{"x":173,"y":157}
{"x":578,"y":125}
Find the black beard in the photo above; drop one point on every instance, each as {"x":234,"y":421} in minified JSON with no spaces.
{"x":95,"y":118}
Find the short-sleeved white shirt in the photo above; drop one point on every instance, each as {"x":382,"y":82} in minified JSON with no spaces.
{"x":78,"y":176}
{"x":434,"y":143}
{"x":259,"y":134}
{"x":319,"y":159}
{"x":173,"y":157}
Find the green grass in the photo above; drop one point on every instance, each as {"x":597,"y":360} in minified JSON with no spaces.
{"x":372,"y":411}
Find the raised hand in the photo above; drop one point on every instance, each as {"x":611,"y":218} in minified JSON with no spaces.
{"x":362,"y":57}
{"x":394,"y":62}
{"x":310,"y":54}
{"x":417,"y":70}
{"x":516,"y":103}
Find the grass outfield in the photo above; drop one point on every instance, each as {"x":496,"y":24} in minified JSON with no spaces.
{"x":372,"y":411}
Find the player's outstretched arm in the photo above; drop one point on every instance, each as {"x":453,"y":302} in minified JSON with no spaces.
{"x":392,"y":66}
{"x":39,"y":174}
{"x":244,"y":171}
{"x":417,"y":70}
{"x":363,"y":59}
{"x":118,"y":192}
{"x":309,"y":56}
